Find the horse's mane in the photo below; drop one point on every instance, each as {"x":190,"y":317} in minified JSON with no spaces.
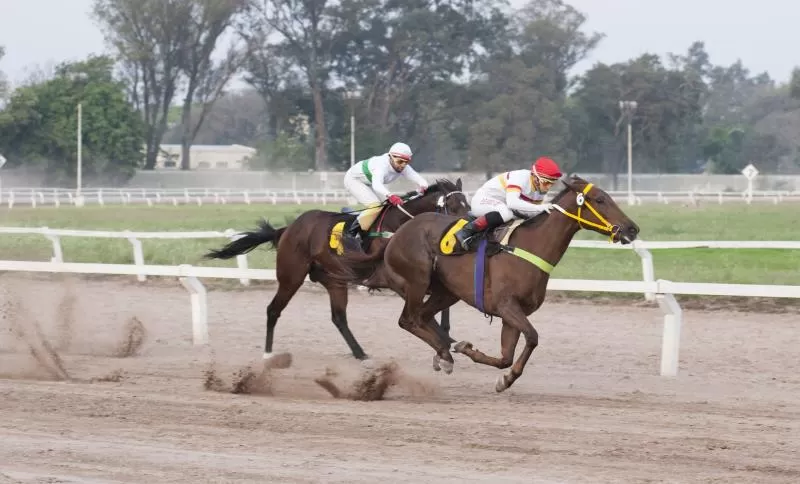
{"x":540,"y":217}
{"x":443,"y":185}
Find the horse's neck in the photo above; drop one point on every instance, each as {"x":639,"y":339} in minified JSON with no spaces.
{"x":549,"y":239}
{"x":396,"y":217}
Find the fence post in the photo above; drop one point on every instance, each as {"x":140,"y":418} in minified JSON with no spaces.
{"x":241,"y":259}
{"x":648,"y":272}
{"x":670,"y":343}
{"x":138,"y":256}
{"x":199,"y":301}
{"x":58,"y":254}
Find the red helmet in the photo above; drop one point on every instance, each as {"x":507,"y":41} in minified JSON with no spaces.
{"x":546,"y":168}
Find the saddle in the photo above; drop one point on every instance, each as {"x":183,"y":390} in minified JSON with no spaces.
{"x":366,"y":219}
{"x":495,"y":238}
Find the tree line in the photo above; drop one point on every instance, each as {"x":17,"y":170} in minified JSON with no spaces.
{"x":469,"y":84}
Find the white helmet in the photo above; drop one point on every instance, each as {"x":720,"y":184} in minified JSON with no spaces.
{"x":401,"y":150}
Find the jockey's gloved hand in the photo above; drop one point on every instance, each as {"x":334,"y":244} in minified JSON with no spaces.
{"x":547,"y":207}
{"x":395,"y":200}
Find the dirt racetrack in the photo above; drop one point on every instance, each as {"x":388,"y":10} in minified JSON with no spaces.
{"x":125,"y":399}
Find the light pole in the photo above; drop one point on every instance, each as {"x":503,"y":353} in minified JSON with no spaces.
{"x":79,"y":76}
{"x":2,"y":162}
{"x":78,"y":195}
{"x":628,"y":108}
{"x":350,"y":95}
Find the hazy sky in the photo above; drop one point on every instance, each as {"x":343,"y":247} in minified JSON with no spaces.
{"x":41,"y":33}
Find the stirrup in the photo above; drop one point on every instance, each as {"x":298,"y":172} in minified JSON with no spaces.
{"x":465,"y":243}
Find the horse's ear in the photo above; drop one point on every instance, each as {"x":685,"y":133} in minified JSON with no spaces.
{"x":569,"y":184}
{"x":458,"y":184}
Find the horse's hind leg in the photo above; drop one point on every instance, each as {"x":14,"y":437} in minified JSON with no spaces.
{"x":289,"y":281}
{"x":439,"y":300}
{"x":445,"y":321}
{"x":338,"y":295}
{"x":509,"y":337}
{"x":424,"y":326}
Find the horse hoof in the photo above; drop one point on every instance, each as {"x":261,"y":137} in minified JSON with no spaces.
{"x":501,"y":384}
{"x":436,"y":360}
{"x":461,"y":346}
{"x":447,"y":366}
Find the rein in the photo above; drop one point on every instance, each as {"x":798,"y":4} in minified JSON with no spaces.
{"x":581,"y":201}
{"x":440,"y":204}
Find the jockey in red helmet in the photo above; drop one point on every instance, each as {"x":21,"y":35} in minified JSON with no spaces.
{"x":519,"y":190}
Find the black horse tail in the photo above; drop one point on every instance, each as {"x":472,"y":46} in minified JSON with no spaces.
{"x":250,"y":240}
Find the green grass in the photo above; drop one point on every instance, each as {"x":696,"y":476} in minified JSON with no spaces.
{"x":657,"y":222}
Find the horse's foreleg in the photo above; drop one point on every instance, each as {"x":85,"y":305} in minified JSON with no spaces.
{"x":509,"y":337}
{"x":513,"y":316}
{"x":338,"y":296}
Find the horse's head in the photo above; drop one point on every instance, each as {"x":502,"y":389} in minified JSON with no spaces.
{"x":594,"y":209}
{"x":443,"y":196}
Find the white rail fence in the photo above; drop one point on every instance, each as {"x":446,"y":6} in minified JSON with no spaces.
{"x":661,"y":291}
{"x":56,"y":197}
{"x":640,"y":247}
{"x":664,"y":292}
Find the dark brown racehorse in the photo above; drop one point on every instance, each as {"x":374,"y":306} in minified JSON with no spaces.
{"x":515,"y":278}
{"x":303,"y":250}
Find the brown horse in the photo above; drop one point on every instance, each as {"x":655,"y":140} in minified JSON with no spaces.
{"x":512,"y":278}
{"x":303,"y":249}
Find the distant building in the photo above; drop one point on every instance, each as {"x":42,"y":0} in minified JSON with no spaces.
{"x":206,"y":157}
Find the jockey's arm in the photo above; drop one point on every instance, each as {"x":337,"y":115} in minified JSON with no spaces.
{"x":412,"y":175}
{"x":515,"y":202}
{"x":378,"y":186}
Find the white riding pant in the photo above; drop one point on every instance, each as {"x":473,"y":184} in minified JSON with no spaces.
{"x":482,"y":204}
{"x":361,"y":192}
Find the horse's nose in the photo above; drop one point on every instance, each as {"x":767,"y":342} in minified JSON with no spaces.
{"x":633,"y":231}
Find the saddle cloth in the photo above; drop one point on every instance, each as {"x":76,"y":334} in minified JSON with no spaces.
{"x":365,"y":220}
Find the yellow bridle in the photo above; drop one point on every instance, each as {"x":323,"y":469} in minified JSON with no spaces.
{"x":581,"y":202}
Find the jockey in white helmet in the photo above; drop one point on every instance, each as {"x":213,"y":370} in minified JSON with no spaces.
{"x":367,"y":179}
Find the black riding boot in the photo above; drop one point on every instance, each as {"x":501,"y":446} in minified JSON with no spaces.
{"x":354,"y":230}
{"x":466,"y":235}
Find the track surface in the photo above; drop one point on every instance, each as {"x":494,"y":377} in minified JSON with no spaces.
{"x":590,"y":408}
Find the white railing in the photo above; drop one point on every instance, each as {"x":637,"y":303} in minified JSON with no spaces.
{"x":54,"y":236}
{"x":640,"y":247}
{"x":664,"y":292}
{"x":155,"y":196}
{"x":55,"y":197}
